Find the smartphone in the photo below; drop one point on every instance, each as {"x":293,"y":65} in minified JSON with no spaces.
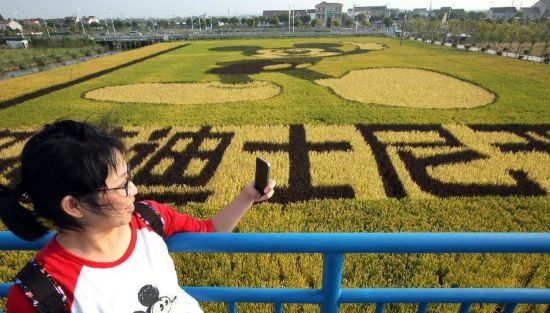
{"x":262,"y":175}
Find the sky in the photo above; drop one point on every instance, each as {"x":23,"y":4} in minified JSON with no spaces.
{"x":171,"y":8}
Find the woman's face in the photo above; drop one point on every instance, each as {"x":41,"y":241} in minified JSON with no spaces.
{"x":116,"y":204}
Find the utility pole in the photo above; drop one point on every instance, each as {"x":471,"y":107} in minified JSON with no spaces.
{"x":81,"y":24}
{"x":45,"y":24}
{"x":192,"y":22}
{"x":112,"y":23}
{"x":289,"y":17}
{"x":293,"y":12}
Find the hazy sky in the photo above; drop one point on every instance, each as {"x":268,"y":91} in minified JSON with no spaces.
{"x":169,"y":8}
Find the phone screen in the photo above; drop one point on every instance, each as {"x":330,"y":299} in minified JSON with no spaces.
{"x":262,"y":175}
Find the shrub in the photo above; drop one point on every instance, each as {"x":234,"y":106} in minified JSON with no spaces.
{"x":39,"y":60}
{"x":443,"y":43}
{"x":521,"y":57}
{"x":499,"y":52}
{"x":467,"y":47}
{"x":505,"y":49}
{"x":526,"y":51}
{"x":547,"y":60}
{"x":483,"y":49}
{"x":454,"y":45}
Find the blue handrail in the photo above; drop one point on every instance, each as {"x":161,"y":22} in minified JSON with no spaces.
{"x":333,"y":246}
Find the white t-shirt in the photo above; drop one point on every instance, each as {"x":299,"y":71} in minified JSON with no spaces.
{"x":144,"y":279}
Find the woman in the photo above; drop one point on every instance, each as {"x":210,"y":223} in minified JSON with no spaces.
{"x":104,"y":257}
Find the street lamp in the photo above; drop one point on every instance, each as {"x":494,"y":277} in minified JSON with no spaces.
{"x":81,"y":24}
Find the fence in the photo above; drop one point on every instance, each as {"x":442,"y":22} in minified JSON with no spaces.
{"x":333,"y":246}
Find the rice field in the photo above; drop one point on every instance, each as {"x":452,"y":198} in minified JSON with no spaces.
{"x":363,"y":135}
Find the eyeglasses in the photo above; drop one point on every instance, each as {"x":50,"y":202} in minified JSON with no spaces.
{"x":125,"y":187}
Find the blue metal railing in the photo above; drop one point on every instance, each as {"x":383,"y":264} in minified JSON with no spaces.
{"x":333,"y":246}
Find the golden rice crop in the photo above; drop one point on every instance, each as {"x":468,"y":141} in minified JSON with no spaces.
{"x":186,"y":93}
{"x":494,"y":169}
{"x":195,"y":167}
{"x":392,"y":137}
{"x":274,"y":67}
{"x":404,"y":87}
{"x":162,"y":166}
{"x":209,"y":144}
{"x":366,"y":45}
{"x":303,"y":65}
{"x":293,"y":53}
{"x":26,"y":84}
{"x":356,"y":167}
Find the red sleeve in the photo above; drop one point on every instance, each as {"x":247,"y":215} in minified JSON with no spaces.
{"x":18,"y":302}
{"x":175,"y":222}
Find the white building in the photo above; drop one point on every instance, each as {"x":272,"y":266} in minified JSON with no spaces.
{"x":502,"y":13}
{"x":88,"y":20}
{"x":10,"y":24}
{"x":544,"y":7}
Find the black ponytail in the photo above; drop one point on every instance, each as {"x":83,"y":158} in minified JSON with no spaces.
{"x":20,"y":220}
{"x":64,"y":158}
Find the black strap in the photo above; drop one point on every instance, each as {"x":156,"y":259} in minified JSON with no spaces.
{"x":43,"y":292}
{"x":150,"y":217}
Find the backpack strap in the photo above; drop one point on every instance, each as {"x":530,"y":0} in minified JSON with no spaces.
{"x":150,"y":217}
{"x":45,"y":294}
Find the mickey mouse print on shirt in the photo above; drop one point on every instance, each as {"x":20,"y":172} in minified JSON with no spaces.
{"x":148,"y":296}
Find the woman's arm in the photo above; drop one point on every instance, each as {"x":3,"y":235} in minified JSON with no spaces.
{"x":228,"y":217}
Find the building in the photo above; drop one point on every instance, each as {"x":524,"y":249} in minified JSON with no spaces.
{"x":531,"y":13}
{"x":311,"y":13}
{"x":421,"y":12}
{"x":88,"y":20}
{"x":502,"y":13}
{"x":31,"y":21}
{"x":378,"y":12}
{"x":10,"y":24}
{"x":544,"y":7}
{"x":269,"y":14}
{"x":325,"y":11}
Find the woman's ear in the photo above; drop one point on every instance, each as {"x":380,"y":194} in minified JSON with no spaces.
{"x":71,"y":206}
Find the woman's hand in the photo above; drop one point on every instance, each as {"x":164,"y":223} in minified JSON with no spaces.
{"x":250,"y":191}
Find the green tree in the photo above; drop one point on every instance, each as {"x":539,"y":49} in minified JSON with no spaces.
{"x":336,"y":23}
{"x":234,"y":21}
{"x":348,"y":22}
{"x":251,"y":22}
{"x":306,"y":19}
{"x":365,"y":23}
{"x":244,"y":21}
{"x":522,"y":38}
{"x":534,"y":34}
{"x":274,"y":21}
{"x":361,"y":17}
{"x":315,"y":22}
{"x":297,"y":23}
{"x":388,"y":21}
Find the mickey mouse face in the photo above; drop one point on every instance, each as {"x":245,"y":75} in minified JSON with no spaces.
{"x":149,"y":296}
{"x":163,"y":305}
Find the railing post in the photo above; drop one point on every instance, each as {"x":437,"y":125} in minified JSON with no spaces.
{"x":332,"y":280}
{"x":231,"y":307}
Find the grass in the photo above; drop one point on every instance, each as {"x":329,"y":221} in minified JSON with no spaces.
{"x":14,"y":59}
{"x":226,"y":137}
